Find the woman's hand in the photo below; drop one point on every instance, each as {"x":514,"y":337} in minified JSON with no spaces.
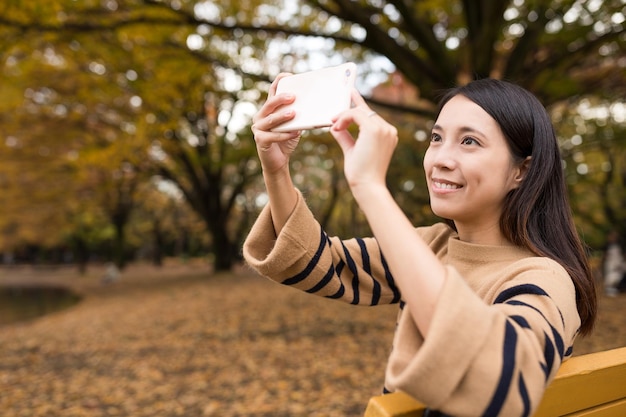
{"x":366,"y":158}
{"x":274,"y":148}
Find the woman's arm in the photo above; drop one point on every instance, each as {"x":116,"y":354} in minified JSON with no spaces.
{"x":274,"y":151}
{"x":305,"y":257}
{"x":416,"y":270}
{"x":490,"y":353}
{"x":302,"y":255}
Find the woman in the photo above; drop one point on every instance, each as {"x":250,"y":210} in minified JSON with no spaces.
{"x":613,"y":265}
{"x":492,"y":300}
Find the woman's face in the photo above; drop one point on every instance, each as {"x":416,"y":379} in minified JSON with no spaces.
{"x":469,"y":167}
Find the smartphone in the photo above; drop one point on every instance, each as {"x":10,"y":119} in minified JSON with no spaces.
{"x":320,"y":95}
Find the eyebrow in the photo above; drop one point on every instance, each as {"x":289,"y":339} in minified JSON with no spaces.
{"x":463,"y":129}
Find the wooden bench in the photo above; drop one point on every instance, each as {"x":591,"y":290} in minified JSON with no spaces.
{"x":586,"y":385}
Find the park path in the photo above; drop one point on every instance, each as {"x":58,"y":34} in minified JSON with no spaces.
{"x":180,"y":341}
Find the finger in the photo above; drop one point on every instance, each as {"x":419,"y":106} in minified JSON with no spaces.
{"x":273,"y":101}
{"x":344,"y":139}
{"x":358,"y":115}
{"x":274,"y":85}
{"x":268,"y":116}
{"x":357,"y":98}
{"x":265,"y":140}
{"x":266,"y":133}
{"x":276,"y":119}
{"x":360,"y":103}
{"x":343,"y":120}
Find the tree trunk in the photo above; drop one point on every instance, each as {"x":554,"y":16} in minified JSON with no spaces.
{"x":81,"y":254}
{"x":157,"y":253}
{"x":222,"y":249}
{"x":119,"y":246}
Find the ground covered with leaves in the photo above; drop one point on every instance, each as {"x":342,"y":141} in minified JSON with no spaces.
{"x":180,"y":341}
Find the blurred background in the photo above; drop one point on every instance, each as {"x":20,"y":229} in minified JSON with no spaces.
{"x":125,"y":124}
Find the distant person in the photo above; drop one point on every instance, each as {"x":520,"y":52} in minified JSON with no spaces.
{"x":491,"y":299}
{"x":111,"y":274}
{"x":613,"y":268}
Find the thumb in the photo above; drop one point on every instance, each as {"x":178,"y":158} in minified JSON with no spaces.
{"x":344,"y":139}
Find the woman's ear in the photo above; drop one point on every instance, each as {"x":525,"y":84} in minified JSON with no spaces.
{"x":522,"y":171}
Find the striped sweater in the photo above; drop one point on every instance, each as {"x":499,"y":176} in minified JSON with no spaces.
{"x":504,"y":322}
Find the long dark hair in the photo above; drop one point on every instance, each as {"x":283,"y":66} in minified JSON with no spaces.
{"x":537,"y":214}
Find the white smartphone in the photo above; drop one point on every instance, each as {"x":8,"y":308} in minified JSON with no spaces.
{"x":320,"y":95}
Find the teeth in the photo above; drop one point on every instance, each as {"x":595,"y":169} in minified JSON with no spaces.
{"x":446,"y":186}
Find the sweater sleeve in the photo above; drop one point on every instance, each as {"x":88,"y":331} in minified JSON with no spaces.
{"x":305,"y":257}
{"x":482,"y":359}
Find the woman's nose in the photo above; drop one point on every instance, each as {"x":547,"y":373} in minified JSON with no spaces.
{"x":444,"y":159}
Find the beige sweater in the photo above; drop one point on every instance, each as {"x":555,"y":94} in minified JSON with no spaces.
{"x":502,"y":326}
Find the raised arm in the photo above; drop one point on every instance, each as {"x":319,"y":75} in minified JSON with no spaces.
{"x":417,"y":271}
{"x":274,"y":151}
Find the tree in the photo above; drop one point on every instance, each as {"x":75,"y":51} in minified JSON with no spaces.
{"x":199,"y":157}
{"x":555,"y":49}
{"x":163,"y":225}
{"x":563,"y":51}
{"x":593,"y":139}
{"x":77,"y":103}
{"x":77,"y":121}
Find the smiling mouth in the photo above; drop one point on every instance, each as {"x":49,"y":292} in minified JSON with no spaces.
{"x":446,"y":185}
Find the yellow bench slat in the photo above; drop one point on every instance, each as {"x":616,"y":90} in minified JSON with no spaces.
{"x":612,"y":409}
{"x":584,"y":382}
{"x":587,"y":385}
{"x":397,"y":404}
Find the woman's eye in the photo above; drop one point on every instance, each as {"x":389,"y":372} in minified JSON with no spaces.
{"x":469,"y":141}
{"x":435,"y":137}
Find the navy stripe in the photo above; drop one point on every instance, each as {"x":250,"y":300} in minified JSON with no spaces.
{"x":324,"y":281}
{"x":523,"y":392}
{"x":506,"y":375}
{"x":339,"y":268}
{"x":551,"y":345}
{"x":562,"y":318}
{"x":549,"y":350}
{"x":375,"y":293}
{"x":569,"y":351}
{"x":521,"y":321}
{"x":365,"y":256}
{"x":557,"y":337}
{"x":549,"y":355}
{"x":355,"y":275}
{"x":558,"y":341}
{"x":367,"y":267}
{"x":519,"y":290}
{"x":390,"y":280}
{"x":523,"y":304}
{"x":339,"y":293}
{"x":311,"y":265}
